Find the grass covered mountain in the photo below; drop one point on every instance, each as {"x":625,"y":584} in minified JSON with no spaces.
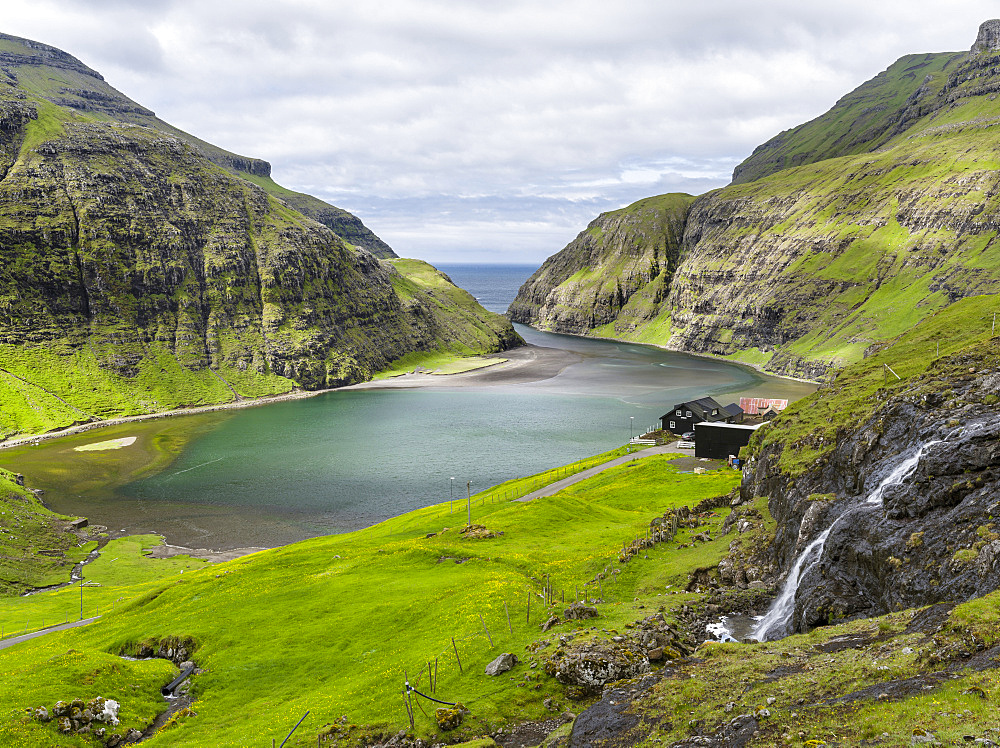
{"x":833,"y":237}
{"x":143,"y":269}
{"x":335,"y":626}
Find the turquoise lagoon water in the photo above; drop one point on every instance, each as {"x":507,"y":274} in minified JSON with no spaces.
{"x":343,"y":460}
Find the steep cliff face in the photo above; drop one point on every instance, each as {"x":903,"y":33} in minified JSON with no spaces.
{"x":60,"y":78}
{"x":138,"y":275}
{"x":888,"y":214}
{"x":931,"y":534}
{"x":617,"y":272}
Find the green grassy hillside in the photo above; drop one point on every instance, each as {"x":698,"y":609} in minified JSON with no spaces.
{"x":141,"y":274}
{"x":837,"y":235}
{"x":862,"y":121}
{"x":333,"y":624}
{"x":617,"y":272}
{"x":51,"y":74}
{"x":954,"y":339}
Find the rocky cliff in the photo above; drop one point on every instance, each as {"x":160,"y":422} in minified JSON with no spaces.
{"x":932,"y":437}
{"x":60,"y":78}
{"x":618,"y":271}
{"x":139,"y":273}
{"x":835,"y":236}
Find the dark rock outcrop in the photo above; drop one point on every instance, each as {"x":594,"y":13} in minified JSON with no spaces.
{"x":156,"y":279}
{"x":930,"y":538}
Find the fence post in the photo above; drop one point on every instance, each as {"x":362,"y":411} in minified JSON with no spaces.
{"x":482,"y":621}
{"x":508,"y":616}
{"x":456,"y":655}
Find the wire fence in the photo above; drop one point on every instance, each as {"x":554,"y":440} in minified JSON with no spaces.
{"x":34,"y":625}
{"x":540,"y":601}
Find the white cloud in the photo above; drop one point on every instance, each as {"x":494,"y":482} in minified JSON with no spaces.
{"x":455,"y":125}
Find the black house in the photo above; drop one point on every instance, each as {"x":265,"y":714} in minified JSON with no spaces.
{"x":720,"y":440}
{"x":684,"y":416}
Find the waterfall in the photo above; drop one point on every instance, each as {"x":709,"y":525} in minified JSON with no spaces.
{"x":779,"y":615}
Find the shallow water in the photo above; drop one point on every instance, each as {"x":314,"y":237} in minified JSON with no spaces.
{"x":343,"y":460}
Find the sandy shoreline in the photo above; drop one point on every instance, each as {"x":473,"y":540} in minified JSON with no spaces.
{"x":527,"y":363}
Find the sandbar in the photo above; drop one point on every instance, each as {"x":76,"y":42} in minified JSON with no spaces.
{"x":528,"y":363}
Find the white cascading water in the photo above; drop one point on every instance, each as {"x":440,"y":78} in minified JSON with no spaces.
{"x":780,"y":612}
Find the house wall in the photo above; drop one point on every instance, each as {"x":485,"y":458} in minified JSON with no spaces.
{"x":681,"y":423}
{"x":718,"y":442}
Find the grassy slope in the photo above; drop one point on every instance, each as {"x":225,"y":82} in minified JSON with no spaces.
{"x":66,"y":378}
{"x":26,"y":528}
{"x":860,"y":122}
{"x":461,"y":327}
{"x":331,"y":624}
{"x":807,"y":427}
{"x":882,"y":224}
{"x":47,"y":387}
{"x":618,"y":269}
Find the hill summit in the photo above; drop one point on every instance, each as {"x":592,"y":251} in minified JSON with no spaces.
{"x":144,"y":269}
{"x":833,"y":238}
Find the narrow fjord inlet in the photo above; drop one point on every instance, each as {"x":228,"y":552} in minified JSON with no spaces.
{"x":723,"y":471}
{"x":345,"y":460}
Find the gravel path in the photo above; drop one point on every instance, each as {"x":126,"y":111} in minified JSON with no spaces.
{"x":61,"y":627}
{"x":559,"y":485}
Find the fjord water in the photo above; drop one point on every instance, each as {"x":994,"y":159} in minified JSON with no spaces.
{"x":343,"y":460}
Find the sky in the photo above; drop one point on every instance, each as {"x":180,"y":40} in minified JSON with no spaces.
{"x":492,"y":130}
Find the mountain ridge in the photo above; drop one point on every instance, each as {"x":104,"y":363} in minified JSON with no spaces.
{"x":140,"y":275}
{"x":95,"y":95}
{"x":835,"y":236}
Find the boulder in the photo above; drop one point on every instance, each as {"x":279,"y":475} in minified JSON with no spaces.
{"x":589,"y":666}
{"x":502,"y":664}
{"x":553,"y":621}
{"x":448,"y":718}
{"x":579,"y":611}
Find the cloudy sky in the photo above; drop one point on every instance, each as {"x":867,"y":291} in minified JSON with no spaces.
{"x":491,"y":130}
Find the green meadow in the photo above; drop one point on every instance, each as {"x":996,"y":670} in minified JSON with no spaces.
{"x":333,"y":625}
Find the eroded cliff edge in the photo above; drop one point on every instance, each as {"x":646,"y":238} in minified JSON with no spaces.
{"x":932,"y":436}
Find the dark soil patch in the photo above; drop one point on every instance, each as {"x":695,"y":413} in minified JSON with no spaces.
{"x":930,"y":619}
{"x":901,"y":689}
{"x":527,"y":734}
{"x":783,"y":672}
{"x":690,"y":463}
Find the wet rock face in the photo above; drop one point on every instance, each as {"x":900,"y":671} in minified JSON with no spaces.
{"x":935,"y":537}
